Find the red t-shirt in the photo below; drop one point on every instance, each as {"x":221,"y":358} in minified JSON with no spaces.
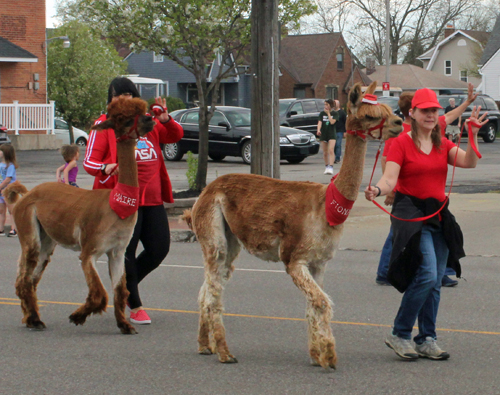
{"x":148,"y":169}
{"x":421,"y":175}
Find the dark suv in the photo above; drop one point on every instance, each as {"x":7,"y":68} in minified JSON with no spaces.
{"x":301,"y":113}
{"x":487,"y":132}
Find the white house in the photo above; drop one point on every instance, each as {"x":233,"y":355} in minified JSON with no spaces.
{"x":455,"y":54}
{"x":490,"y":64}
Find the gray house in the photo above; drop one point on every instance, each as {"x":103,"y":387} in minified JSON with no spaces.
{"x":180,"y":83}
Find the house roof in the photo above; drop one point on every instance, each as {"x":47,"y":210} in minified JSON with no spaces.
{"x":479,"y":37}
{"x":305,"y":56}
{"x":410,"y":77}
{"x":10,"y":52}
{"x":493,"y":44}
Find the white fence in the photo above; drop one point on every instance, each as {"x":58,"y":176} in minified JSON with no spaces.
{"x":29,"y":117}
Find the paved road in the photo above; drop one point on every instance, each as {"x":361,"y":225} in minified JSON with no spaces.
{"x":264,"y":320}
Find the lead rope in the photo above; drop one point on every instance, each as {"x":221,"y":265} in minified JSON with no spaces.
{"x":473,"y":145}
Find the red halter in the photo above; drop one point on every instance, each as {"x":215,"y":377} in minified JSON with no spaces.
{"x":129,"y":135}
{"x":362,"y":134}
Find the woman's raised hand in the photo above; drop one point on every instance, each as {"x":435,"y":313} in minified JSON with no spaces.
{"x":476,"y":121}
{"x":163,"y":117}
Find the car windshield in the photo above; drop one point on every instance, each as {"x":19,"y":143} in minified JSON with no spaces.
{"x":240,"y":117}
{"x":284,"y":105}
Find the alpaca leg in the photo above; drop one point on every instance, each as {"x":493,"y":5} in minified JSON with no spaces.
{"x":317,"y":271}
{"x":319,"y":313}
{"x":47,"y":249}
{"x":117,"y":274}
{"x":97,"y":298}
{"x":25,"y":289}
{"x":218,"y":270}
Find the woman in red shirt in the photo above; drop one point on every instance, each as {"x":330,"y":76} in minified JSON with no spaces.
{"x":418,"y":162}
{"x":152,"y":224}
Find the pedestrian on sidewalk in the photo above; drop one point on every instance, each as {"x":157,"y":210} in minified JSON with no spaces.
{"x":418,"y":163}
{"x":8,"y":166}
{"x":340,"y":128}
{"x":327,"y":133}
{"x":71,"y":154}
{"x":151,"y":228}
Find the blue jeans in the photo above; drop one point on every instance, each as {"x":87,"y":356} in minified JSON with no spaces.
{"x":338,"y":146}
{"x":385,"y":257}
{"x":421,"y":299}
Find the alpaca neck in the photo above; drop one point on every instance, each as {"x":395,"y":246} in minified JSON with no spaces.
{"x":350,"y":175}
{"x":128,"y":165}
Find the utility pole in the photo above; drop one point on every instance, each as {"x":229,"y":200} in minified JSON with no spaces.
{"x":387,"y":47}
{"x":265,"y":92}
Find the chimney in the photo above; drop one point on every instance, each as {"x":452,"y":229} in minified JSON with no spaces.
{"x":449,"y":30}
{"x":370,"y":66}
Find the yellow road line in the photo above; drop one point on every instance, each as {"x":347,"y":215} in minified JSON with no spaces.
{"x":268,"y":317}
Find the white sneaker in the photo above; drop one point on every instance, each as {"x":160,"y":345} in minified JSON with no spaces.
{"x":329,"y":170}
{"x":326,"y":170}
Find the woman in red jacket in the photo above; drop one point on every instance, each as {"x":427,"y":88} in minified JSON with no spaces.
{"x":152,"y":224}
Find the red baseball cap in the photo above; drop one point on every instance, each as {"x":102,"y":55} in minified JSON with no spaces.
{"x":425,"y":98}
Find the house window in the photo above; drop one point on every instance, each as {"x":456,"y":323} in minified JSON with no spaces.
{"x":331,"y":92}
{"x":299,"y":93}
{"x":462,"y":43}
{"x":340,"y":58}
{"x":447,"y":67}
{"x":157,"y":58}
{"x":463,"y":76}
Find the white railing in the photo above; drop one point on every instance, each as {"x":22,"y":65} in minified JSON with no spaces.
{"x":28,"y":117}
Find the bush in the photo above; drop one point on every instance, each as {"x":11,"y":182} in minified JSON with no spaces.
{"x":173,"y":103}
{"x":192,"y":163}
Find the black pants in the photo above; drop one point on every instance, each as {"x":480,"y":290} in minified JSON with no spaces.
{"x":153,"y":232}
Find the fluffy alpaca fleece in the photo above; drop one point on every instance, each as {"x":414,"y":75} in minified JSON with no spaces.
{"x":81,"y":220}
{"x":281,"y":221}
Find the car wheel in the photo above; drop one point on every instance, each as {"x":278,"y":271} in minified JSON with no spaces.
{"x":216,"y":158}
{"x":172,"y":152}
{"x":246,"y":152}
{"x":294,"y":161}
{"x":81,"y":142}
{"x":491,"y":132}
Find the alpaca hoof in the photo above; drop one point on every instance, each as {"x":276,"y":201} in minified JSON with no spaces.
{"x":205,"y":351}
{"x":228,"y":359}
{"x":128,"y":330}
{"x":37,"y":325}
{"x":77,"y":319}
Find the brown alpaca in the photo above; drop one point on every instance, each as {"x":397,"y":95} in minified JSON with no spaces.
{"x":281,"y":221}
{"x":81,"y":220}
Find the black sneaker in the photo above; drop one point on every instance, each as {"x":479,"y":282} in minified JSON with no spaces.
{"x":12,"y":233}
{"x":2,"y":233}
{"x":448,"y":282}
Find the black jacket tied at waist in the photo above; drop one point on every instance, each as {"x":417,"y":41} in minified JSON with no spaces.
{"x":406,"y":256}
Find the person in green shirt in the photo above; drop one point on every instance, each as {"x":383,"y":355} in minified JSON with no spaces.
{"x":327,"y":132}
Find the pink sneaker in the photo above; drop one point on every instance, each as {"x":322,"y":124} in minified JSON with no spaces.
{"x":140,"y":318}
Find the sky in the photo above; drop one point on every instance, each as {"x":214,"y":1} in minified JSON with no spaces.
{"x":50,"y":11}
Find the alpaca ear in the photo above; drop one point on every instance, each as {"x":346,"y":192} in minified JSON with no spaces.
{"x":354,"y":98}
{"x":371,"y":88}
{"x":107,"y":124}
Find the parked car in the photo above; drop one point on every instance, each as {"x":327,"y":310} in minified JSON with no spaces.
{"x":301,"y":113}
{"x":61,"y":129}
{"x":230,"y":134}
{"x":391,"y":101}
{"x":489,"y":131}
{"x":4,"y":138}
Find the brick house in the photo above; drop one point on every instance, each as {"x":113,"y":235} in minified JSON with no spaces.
{"x":23,"y":74}
{"x":317,"y":66}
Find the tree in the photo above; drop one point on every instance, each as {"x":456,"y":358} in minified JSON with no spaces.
{"x":415,"y":25}
{"x":79,"y":76}
{"x":193,"y":33}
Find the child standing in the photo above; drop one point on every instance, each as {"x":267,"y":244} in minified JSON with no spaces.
{"x":8,"y":166}
{"x":71,"y":154}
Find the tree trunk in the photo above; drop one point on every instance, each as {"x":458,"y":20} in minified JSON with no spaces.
{"x":265,"y":93}
{"x":201,"y":174}
{"x":71,"y":135}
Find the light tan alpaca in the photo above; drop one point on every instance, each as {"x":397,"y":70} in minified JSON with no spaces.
{"x":81,"y":220}
{"x":281,"y":220}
